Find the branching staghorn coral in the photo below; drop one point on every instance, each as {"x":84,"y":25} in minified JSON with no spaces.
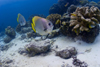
{"x":83,"y":19}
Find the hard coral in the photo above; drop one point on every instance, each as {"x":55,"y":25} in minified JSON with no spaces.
{"x":83,"y":19}
{"x":10,"y":32}
{"x":53,"y":18}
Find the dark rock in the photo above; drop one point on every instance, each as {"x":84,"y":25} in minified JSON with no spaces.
{"x":67,"y":53}
{"x":10,"y":32}
{"x":56,"y":46}
{"x":35,"y":48}
{"x":63,"y":54}
{"x":7,"y":39}
{"x":72,"y":50}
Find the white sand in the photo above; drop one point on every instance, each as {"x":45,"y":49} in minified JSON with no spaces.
{"x":92,"y":57}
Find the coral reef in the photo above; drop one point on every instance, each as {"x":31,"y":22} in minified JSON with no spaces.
{"x":84,"y":23}
{"x":10,"y":32}
{"x":88,"y":37}
{"x":83,"y":19}
{"x":54,"y":18}
{"x":67,"y":53}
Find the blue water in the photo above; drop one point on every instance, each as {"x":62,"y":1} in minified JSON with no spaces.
{"x":10,"y":8}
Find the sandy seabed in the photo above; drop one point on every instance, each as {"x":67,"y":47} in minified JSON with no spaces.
{"x":90,"y":53}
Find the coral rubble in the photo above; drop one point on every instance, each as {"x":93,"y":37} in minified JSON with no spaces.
{"x":78,"y":63}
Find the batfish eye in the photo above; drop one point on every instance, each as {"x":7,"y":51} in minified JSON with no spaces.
{"x":49,"y":24}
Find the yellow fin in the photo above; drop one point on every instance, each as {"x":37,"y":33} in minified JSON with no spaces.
{"x":17,"y":20}
{"x":90,"y":26}
{"x":33,"y":21}
{"x":76,"y":32}
{"x":73,"y":14}
{"x":66,"y":4}
{"x":33,"y":28}
{"x":18,"y":17}
{"x":57,"y":22}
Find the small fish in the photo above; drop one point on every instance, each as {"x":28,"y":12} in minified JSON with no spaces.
{"x":66,"y":4}
{"x":91,"y":26}
{"x":58,"y":21}
{"x":72,"y":14}
{"x":21,"y":19}
{"x":41,"y":25}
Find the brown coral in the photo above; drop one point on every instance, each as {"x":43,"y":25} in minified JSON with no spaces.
{"x":53,"y":18}
{"x":83,"y":19}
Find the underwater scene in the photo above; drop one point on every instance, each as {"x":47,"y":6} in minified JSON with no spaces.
{"x":49,"y":33}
